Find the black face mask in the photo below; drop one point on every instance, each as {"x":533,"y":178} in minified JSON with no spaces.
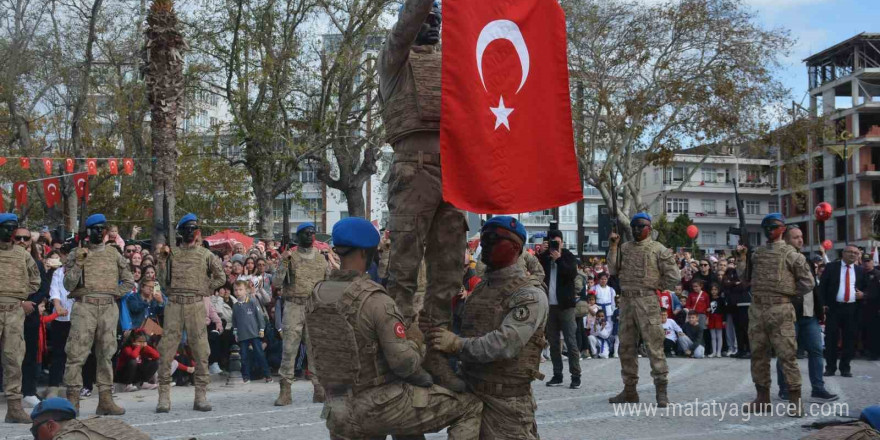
{"x":429,"y":35}
{"x":6,"y":231}
{"x":306,"y":237}
{"x":188,"y":232}
{"x":96,"y":233}
{"x":639,"y":231}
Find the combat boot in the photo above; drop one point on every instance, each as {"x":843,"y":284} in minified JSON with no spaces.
{"x":318,"y":394}
{"x":201,"y":401}
{"x":437,"y":364}
{"x":164,"y":405}
{"x":106,"y":406}
{"x":14,"y":412}
{"x":628,"y":395}
{"x":795,"y":406}
{"x":662,"y":398}
{"x":284,"y":397}
{"x":73,"y":397}
{"x":761,"y":402}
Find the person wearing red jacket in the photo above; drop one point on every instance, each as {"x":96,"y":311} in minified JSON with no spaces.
{"x":137,"y":362}
{"x":697,"y":302}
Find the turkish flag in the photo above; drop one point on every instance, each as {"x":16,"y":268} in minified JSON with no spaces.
{"x":92,"y":167}
{"x":68,"y":165}
{"x":114,"y":166}
{"x":128,"y":165}
{"x":25,"y":163}
{"x":506,"y":107}
{"x":2,"y":162}
{"x":47,"y":165}
{"x":20,"y":189}
{"x":81,"y":183}
{"x":52,"y":190}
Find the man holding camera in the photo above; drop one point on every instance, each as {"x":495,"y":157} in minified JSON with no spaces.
{"x":560,"y":271}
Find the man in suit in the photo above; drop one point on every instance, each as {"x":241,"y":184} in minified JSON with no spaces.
{"x":560,"y":270}
{"x":841,"y":286}
{"x":871,"y":308}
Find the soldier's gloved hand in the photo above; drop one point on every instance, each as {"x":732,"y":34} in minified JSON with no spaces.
{"x":444,"y":340}
{"x":420,"y":378}
{"x":163,"y":252}
{"x":81,"y":255}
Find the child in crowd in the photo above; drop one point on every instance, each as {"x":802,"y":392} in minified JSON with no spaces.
{"x":605,"y":295}
{"x":248,"y":328}
{"x":137,"y":363}
{"x":716,"y":321}
{"x":600,"y":336}
{"x":697,"y":303}
{"x":693,"y":331}
{"x":183,"y":366}
{"x":676,"y":342}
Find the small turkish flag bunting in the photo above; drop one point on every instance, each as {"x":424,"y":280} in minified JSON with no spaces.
{"x":68,"y":165}
{"x":128,"y":165}
{"x":21,"y":191}
{"x":81,"y":183}
{"x":24,"y":162}
{"x":47,"y":165}
{"x":52,"y":190}
{"x":2,"y":162}
{"x":114,"y":166}
{"x":92,"y":166}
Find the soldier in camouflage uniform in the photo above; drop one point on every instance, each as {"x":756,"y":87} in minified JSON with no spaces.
{"x":778,"y":273}
{"x":422,"y":224}
{"x":368,"y":361}
{"x":643,"y":267}
{"x":188,"y":274}
{"x":96,"y":277}
{"x":502,"y":335}
{"x":55,"y":419}
{"x":297,"y":274}
{"x":21,"y":277}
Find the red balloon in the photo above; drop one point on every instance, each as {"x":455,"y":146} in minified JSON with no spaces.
{"x":827,"y":245}
{"x":693,"y":231}
{"x":823,"y":211}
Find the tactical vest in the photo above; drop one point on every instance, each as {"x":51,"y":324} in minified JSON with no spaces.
{"x":770,"y":276}
{"x":638,"y":266}
{"x":343,"y":356}
{"x":14,"y":273}
{"x":416,"y":106}
{"x":484,"y":312}
{"x":308,"y":273}
{"x":189,"y":270}
{"x":101,"y":428}
{"x":100,"y":273}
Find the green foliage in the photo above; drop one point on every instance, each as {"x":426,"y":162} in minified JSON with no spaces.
{"x":674,"y":235}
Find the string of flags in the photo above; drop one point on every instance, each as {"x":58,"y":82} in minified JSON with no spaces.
{"x":70,"y":163}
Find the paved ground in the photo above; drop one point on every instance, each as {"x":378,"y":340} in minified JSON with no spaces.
{"x":247,"y":412}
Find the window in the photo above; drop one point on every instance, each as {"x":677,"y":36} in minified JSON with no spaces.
{"x":675,"y":174}
{"x":677,"y":206}
{"x":708,"y":238}
{"x":656,"y":176}
{"x":753,"y":207}
{"x":773,"y":206}
{"x":709,"y":206}
{"x":568,"y":214}
{"x":709,"y":175}
{"x":308,"y":176}
{"x":591,"y":213}
{"x":569,"y":239}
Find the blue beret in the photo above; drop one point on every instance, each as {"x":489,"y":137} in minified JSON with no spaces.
{"x":355,"y":232}
{"x":53,"y":404}
{"x":773,"y":216}
{"x":95,"y":219}
{"x":871,"y":416}
{"x":186,"y":219}
{"x":399,"y":11}
{"x":8,"y":217}
{"x":509,"y":223}
{"x":305,"y":225}
{"x":641,"y":215}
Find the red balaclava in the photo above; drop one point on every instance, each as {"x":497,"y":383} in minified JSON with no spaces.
{"x":501,"y":248}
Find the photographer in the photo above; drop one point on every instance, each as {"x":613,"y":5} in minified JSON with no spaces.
{"x":560,"y":269}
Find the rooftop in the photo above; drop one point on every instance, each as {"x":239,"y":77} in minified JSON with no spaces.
{"x":841,"y":53}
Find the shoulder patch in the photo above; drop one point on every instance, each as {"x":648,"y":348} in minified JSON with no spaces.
{"x":521,"y":313}
{"x":399,"y":330}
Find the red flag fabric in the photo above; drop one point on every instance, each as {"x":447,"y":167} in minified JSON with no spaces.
{"x":2,"y":162}
{"x":92,"y":167}
{"x":2,"y":207}
{"x":68,"y":165}
{"x":506,"y":106}
{"x":21,"y":191}
{"x":81,"y":183}
{"x":47,"y":165}
{"x":114,"y":166}
{"x":25,"y":163}
{"x":52,"y":190}
{"x":128,"y":165}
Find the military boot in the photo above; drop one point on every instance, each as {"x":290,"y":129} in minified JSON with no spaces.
{"x":318,"y":395}
{"x":164,"y":405}
{"x":201,"y":401}
{"x":795,"y":406}
{"x":284,"y":397}
{"x":628,"y":395}
{"x":662,"y":399}
{"x":761,"y":402}
{"x":14,"y":412}
{"x":73,"y":397}
{"x":437,"y":364}
{"x":106,"y":406}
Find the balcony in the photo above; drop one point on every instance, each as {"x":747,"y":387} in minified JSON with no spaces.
{"x":536,"y":220}
{"x":729,"y":216}
{"x":702,"y":186}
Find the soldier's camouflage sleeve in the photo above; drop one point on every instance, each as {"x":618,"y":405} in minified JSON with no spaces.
{"x":804,"y":281}
{"x":670,"y":275}
{"x":534,"y":266}
{"x":72,"y":273}
{"x":34,"y":279}
{"x":162,"y":272}
{"x":395,"y":52}
{"x":741,"y":268}
{"x":528,"y":312}
{"x":218,"y":277}
{"x":126,"y":279}
{"x":385,"y":321}
{"x":612,"y":258}
{"x":281,"y":274}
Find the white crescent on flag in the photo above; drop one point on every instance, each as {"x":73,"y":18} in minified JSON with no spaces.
{"x":53,"y":189}
{"x":80,"y":183}
{"x":504,"y":30}
{"x":20,"y":187}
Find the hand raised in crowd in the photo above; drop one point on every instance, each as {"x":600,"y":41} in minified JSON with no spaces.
{"x":555,"y":254}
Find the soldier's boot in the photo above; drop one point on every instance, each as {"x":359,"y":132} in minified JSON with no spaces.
{"x":795,"y":405}
{"x":106,"y":405}
{"x":201,"y":401}
{"x":318,"y":393}
{"x":628,"y":395}
{"x":164,"y":404}
{"x":761,"y":402}
{"x":662,"y":398}
{"x":437,"y":364}
{"x":73,"y":397}
{"x":284,"y":397}
{"x":14,"y":412}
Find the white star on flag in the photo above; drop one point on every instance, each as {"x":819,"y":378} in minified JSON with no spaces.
{"x":501,"y":114}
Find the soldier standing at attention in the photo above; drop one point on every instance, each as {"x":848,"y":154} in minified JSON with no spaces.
{"x":55,"y":419}
{"x":422,"y":224}
{"x":643,"y":267}
{"x":502,"y":334}
{"x":779,"y":273}
{"x":297,"y":274}
{"x":96,"y":277}
{"x":188,"y":273}
{"x":21,"y":277}
{"x":368,"y":361}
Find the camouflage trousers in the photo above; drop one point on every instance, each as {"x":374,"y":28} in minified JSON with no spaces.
{"x":772,"y":326}
{"x":508,"y":417}
{"x":293,"y":331}
{"x":12,"y":344}
{"x":180,"y":318}
{"x":640,"y":319}
{"x":402,"y":409}
{"x":422,"y":225}
{"x":91,"y":324}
